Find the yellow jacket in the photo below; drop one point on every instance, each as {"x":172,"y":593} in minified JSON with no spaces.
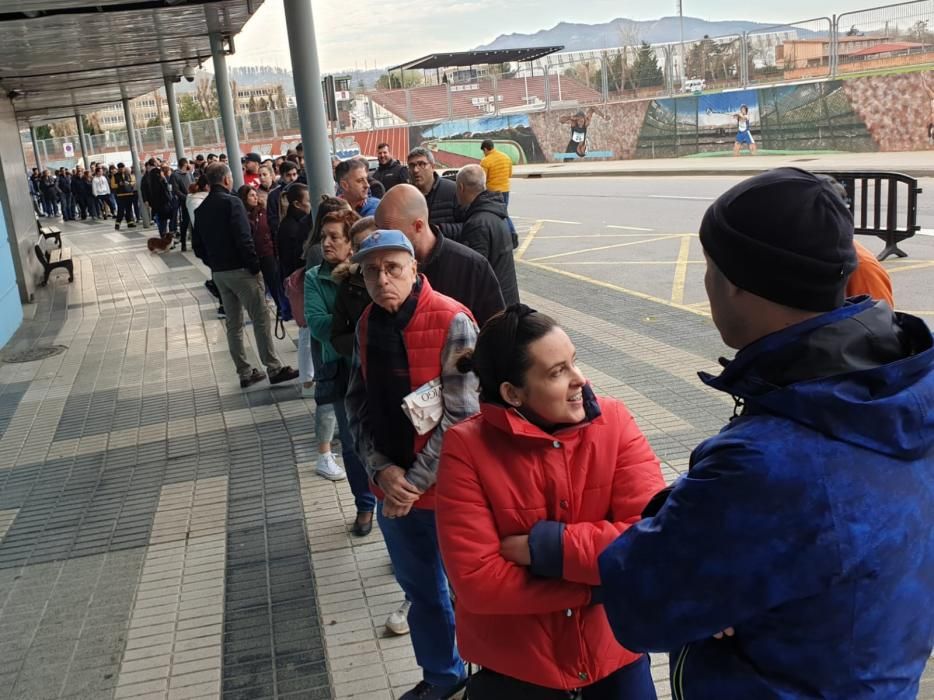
{"x":498,"y":168}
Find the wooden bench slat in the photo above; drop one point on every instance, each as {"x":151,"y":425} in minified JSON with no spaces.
{"x":59,"y":254}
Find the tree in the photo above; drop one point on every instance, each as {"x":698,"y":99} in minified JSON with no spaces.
{"x":43,"y":132}
{"x":645,"y":69}
{"x":92,"y":124}
{"x":920,"y":32}
{"x":155,"y":121}
{"x":190,"y":110}
{"x":206,"y":96}
{"x":390,"y":81}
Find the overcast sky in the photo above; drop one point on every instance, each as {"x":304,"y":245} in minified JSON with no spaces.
{"x":385,"y":32}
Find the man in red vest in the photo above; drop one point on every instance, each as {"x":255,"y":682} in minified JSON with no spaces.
{"x":405,"y":391}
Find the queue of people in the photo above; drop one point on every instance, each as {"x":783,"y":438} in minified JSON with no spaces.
{"x":527,"y":520}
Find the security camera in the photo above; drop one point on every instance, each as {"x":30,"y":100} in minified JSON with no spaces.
{"x":189,"y":73}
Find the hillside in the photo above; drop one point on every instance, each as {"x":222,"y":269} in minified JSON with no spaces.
{"x":622,"y":32}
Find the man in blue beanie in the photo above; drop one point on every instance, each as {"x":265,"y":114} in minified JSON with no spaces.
{"x":796,"y":557}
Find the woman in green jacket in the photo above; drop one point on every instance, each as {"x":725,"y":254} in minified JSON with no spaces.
{"x":331,"y":378}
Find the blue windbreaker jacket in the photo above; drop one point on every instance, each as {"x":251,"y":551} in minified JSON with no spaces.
{"x":807,"y":523}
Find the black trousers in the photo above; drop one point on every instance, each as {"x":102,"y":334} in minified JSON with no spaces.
{"x":125,"y":209}
{"x":632,"y":682}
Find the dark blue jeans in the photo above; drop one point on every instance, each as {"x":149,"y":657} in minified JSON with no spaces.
{"x":512,"y":228}
{"x":356,"y":472}
{"x":412,"y":542}
{"x":632,"y":682}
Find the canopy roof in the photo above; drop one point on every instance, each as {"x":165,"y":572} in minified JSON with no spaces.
{"x":58,"y":57}
{"x":478,"y":58}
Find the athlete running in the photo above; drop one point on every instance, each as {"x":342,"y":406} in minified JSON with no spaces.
{"x":743,"y":134}
{"x":579,"y":123}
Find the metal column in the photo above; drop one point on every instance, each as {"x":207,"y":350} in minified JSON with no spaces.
{"x":134,"y":155}
{"x":82,"y":139}
{"x":173,"y":117}
{"x":35,"y":147}
{"x":303,"y":51}
{"x":225,"y":102}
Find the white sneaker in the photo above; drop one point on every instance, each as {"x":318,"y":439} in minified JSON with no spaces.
{"x":398,"y":620}
{"x":329,"y":468}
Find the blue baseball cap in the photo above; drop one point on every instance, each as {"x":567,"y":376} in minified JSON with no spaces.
{"x":384,"y":239}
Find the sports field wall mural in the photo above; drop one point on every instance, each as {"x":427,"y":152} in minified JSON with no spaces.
{"x":877,"y":113}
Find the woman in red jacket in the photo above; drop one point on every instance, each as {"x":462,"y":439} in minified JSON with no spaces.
{"x":264,"y":243}
{"x":530,"y":491}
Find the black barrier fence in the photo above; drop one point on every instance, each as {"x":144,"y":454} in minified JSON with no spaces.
{"x":884,"y":205}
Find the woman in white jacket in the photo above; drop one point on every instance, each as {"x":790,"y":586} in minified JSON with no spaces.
{"x":100,"y":185}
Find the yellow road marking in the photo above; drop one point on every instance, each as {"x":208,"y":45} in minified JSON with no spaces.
{"x":681,"y":271}
{"x":647,"y":236}
{"x":529,"y":237}
{"x":917,"y":265}
{"x":604,"y":247}
{"x":629,"y":262}
{"x":614,"y":287}
{"x":629,"y":228}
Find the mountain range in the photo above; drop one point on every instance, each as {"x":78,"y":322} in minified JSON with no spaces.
{"x":622,"y":32}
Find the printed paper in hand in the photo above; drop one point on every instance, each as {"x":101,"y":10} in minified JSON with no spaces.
{"x":424,"y":406}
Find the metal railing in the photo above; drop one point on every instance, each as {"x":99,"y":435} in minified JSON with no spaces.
{"x":883,"y":38}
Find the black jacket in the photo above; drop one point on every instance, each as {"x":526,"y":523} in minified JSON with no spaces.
{"x":222,"y":236}
{"x":485,"y":230}
{"x":352,"y":299}
{"x":294,"y":230}
{"x":392,"y":174}
{"x":463,"y":274}
{"x":156,"y":190}
{"x":443,"y":211}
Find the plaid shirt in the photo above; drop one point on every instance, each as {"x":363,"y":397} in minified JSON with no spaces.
{"x":459,"y":393}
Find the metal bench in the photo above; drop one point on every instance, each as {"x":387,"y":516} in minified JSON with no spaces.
{"x":874,"y":200}
{"x":51,"y":260}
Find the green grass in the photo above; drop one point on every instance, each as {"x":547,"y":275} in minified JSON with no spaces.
{"x":761,"y":152}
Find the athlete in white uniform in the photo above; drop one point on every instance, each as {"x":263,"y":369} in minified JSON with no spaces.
{"x":743,"y":134}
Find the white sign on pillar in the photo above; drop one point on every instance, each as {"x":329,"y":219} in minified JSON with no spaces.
{"x":69,"y":149}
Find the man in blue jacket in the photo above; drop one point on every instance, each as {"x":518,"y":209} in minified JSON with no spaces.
{"x":796,"y":557}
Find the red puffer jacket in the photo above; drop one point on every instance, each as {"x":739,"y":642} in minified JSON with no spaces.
{"x":499,"y":476}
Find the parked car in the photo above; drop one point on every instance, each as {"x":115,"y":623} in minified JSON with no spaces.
{"x":694,"y":85}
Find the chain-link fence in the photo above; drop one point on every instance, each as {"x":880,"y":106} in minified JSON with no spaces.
{"x":883,"y":38}
{"x":889,"y":37}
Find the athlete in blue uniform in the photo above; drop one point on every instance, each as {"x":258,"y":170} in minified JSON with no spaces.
{"x":743,"y":134}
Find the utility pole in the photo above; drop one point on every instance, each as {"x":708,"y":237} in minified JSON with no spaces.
{"x":683,"y":55}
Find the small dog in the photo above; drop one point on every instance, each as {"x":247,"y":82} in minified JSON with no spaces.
{"x":160,"y":244}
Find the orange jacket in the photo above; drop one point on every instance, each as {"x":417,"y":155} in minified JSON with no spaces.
{"x":869,"y":277}
{"x":499,"y":476}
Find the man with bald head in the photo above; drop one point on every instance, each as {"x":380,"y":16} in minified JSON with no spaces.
{"x":452,"y":269}
{"x":486,"y":228}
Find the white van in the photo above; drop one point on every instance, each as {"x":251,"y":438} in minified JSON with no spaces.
{"x":694,"y":85}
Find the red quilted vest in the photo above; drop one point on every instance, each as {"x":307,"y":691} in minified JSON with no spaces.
{"x":425,"y":337}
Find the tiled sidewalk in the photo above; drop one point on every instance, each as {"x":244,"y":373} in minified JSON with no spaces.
{"x":163,"y":534}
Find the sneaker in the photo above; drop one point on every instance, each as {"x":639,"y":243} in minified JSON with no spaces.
{"x":254,"y":377}
{"x":398,"y":620}
{"x":131,"y":224}
{"x":426,"y":691}
{"x":329,"y":468}
{"x":221,"y":314}
{"x":286,"y":374}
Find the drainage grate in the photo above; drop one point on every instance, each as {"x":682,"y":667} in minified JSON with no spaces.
{"x":40,"y":352}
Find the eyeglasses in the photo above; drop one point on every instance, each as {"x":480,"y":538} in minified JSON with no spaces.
{"x":393,"y":270}
{"x":419,"y":165}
